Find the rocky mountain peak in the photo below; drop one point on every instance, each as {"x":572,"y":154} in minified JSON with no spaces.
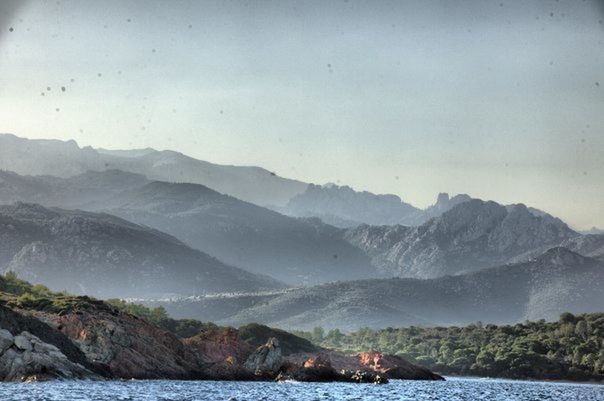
{"x":442,"y":198}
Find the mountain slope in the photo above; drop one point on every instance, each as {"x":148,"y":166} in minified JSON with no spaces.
{"x":257,"y":239}
{"x":557,"y":281}
{"x":472,"y":235}
{"x":293,"y":250}
{"x":66,"y":159}
{"x":106,"y":256}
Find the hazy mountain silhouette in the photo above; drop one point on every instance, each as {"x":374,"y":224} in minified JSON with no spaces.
{"x":102,"y":255}
{"x":341,"y":206}
{"x":297,"y":251}
{"x":542,"y":288}
{"x":65,"y":159}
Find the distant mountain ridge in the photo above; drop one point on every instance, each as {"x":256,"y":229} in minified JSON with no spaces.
{"x":106,"y":256}
{"x":66,"y":159}
{"x":341,"y":206}
{"x":555,"y":282}
{"x":472,"y":235}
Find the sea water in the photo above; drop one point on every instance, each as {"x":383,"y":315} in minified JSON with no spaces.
{"x":454,"y":389}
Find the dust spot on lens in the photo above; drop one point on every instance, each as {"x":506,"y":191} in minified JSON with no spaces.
{"x":63,"y":89}
{"x":11,"y":29}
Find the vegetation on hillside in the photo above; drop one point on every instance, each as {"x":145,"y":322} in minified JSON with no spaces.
{"x":571,"y":348}
{"x":21,"y":294}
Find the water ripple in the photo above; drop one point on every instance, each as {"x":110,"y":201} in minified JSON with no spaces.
{"x":451,"y":390}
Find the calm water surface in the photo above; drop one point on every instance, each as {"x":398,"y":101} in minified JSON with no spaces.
{"x":451,"y":390}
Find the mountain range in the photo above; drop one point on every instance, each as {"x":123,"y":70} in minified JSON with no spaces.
{"x":340,"y":206}
{"x":240,"y":244}
{"x":343,"y":207}
{"x":66,"y":159}
{"x":296,"y":251}
{"x":472,"y":235}
{"x":105,"y":256}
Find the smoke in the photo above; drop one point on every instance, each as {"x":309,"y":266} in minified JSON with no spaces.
{"x":8,"y":12}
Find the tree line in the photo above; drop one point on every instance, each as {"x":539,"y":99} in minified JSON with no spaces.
{"x":571,"y":348}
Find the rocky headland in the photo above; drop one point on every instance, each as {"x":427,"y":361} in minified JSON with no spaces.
{"x":66,"y":337}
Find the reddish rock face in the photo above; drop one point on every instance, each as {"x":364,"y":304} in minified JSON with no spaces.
{"x":321,"y":361}
{"x":217,"y":344}
{"x":221,"y":353}
{"x":380,"y":362}
{"x":394,"y":367}
{"x":130,"y":347}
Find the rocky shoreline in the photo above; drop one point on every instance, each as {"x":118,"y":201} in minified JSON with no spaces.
{"x":93,"y":340}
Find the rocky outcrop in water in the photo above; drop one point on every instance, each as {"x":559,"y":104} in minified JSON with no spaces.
{"x":367,"y":367}
{"x":394,"y":367}
{"x":319,"y":368}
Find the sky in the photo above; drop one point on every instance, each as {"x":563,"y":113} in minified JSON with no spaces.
{"x":502,"y":100}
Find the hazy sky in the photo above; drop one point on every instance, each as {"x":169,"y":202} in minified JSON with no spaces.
{"x":502,"y":100}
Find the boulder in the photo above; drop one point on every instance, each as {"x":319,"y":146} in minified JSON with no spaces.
{"x":266,"y":361}
{"x":23,"y":343}
{"x":6,"y":340}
